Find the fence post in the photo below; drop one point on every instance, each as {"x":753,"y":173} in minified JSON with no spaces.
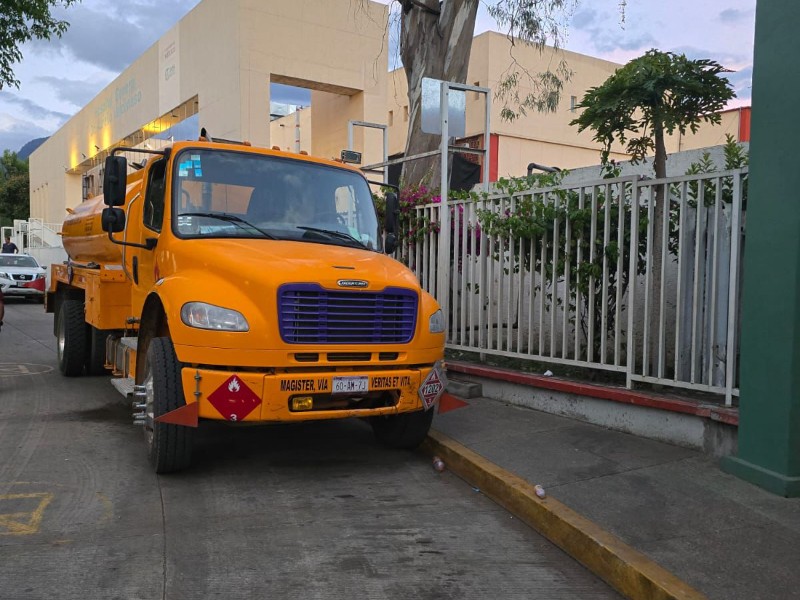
{"x":630,"y":341}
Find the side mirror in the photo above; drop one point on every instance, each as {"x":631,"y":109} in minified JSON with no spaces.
{"x":115,"y":181}
{"x":390,"y":244}
{"x":392,"y":210}
{"x":113,"y":220}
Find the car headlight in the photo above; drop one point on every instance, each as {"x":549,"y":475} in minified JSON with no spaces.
{"x":40,"y":276}
{"x":436,"y":322}
{"x":5,"y":275}
{"x":208,"y":316}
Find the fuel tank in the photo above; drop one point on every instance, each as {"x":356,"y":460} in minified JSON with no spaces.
{"x":82,"y":232}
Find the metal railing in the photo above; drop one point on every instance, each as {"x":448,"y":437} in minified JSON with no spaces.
{"x":35,"y":233}
{"x":591,"y":275}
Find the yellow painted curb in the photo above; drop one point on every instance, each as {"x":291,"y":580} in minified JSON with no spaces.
{"x":628,"y":571}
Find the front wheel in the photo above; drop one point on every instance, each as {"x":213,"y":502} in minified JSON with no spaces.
{"x":406,"y":430}
{"x":169,"y":447}
{"x":71,"y":338}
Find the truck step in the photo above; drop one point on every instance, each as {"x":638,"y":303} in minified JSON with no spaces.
{"x":124,"y":385}
{"x":129,"y":342}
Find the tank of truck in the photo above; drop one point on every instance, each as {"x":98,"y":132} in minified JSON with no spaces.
{"x":82,"y":232}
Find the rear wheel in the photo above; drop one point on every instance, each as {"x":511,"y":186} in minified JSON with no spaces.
{"x":406,"y":430}
{"x":96,"y":350}
{"x":169,"y":447}
{"x":71,"y":338}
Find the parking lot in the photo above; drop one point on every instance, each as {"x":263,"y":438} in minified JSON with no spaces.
{"x":310,"y":511}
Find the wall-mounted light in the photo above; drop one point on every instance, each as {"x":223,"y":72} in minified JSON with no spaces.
{"x":96,"y":147}
{"x":83,"y":155}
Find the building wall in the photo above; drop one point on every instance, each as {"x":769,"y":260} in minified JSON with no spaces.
{"x":546,"y":139}
{"x":734,"y":122}
{"x":283,"y":131}
{"x":225,"y":53}
{"x":219,"y":60}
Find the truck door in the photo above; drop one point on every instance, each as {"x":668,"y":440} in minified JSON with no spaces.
{"x":142,"y":263}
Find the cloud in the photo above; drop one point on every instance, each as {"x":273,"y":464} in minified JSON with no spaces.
{"x":729,"y":60}
{"x":734,"y":16}
{"x":606,"y":40}
{"x":112,"y":35}
{"x":584,"y":18}
{"x":742,"y":82}
{"x":32,"y":109}
{"x":74,"y":91}
{"x":15,"y":133}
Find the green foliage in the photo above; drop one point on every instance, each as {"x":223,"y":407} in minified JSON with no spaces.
{"x":736,"y":157}
{"x":23,"y":21}
{"x":660,"y":92}
{"x":532,"y":24}
{"x":544,"y":95}
{"x":14,"y":188}
{"x":554,"y":232}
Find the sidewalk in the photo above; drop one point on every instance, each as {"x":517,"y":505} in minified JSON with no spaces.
{"x":722,"y":536}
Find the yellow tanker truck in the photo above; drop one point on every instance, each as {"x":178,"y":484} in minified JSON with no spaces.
{"x":228,"y":282}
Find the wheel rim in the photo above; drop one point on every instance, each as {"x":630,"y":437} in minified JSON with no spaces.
{"x":62,"y":341}
{"x":149,"y":409}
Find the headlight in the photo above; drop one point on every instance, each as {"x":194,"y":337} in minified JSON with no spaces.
{"x":40,"y":276}
{"x":208,"y":316}
{"x":436,"y":322}
{"x":5,"y":275}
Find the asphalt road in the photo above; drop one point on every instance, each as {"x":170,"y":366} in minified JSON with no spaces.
{"x":309,"y":511}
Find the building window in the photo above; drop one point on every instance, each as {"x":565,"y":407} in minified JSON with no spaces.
{"x":391,"y":118}
{"x":573,"y":100}
{"x":476,"y":95}
{"x":405,"y":113}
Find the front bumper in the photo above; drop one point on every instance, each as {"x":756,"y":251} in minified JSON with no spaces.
{"x":268,"y":398}
{"x":27,"y":288}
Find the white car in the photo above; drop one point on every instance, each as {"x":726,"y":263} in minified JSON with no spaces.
{"x":21,"y":275}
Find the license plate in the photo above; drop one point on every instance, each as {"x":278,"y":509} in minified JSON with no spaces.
{"x":350,"y":385}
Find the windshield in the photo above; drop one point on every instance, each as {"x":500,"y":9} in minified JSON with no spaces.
{"x":220,"y":193}
{"x":18,"y":261}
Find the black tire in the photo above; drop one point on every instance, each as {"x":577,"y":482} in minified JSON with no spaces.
{"x":71,"y":338}
{"x":406,"y":430}
{"x":96,"y":350}
{"x":169,"y":447}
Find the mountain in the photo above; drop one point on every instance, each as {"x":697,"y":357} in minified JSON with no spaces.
{"x":28,"y":148}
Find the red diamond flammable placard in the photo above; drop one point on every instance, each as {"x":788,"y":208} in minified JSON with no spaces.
{"x":233,"y":399}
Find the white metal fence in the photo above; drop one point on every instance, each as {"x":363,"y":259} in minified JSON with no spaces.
{"x":578,"y":275}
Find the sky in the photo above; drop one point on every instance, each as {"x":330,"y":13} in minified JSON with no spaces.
{"x":59,"y":77}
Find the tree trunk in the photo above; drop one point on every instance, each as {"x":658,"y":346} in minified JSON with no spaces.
{"x":657,"y":267}
{"x":437,"y":46}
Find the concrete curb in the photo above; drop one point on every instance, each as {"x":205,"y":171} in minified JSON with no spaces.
{"x":628,"y":571}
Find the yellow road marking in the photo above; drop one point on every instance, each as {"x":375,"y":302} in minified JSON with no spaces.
{"x":24,"y":523}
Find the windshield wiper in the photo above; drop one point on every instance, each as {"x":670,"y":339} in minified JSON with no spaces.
{"x":231,"y":218}
{"x":340,"y":235}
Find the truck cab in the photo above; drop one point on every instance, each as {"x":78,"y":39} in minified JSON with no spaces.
{"x":227,"y":282}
